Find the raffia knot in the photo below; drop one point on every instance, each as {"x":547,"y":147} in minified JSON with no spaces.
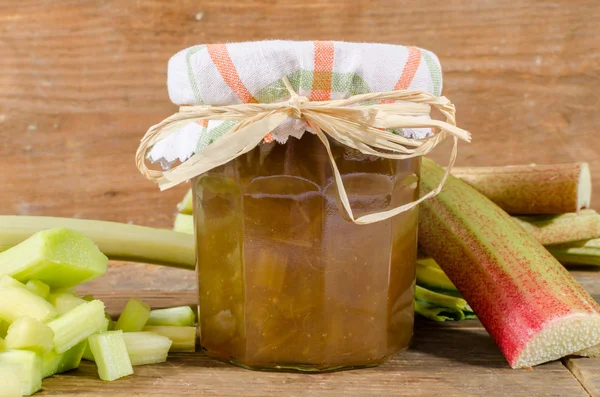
{"x":362,"y":122}
{"x":295,"y":104}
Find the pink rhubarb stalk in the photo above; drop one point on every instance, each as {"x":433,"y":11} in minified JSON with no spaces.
{"x":532,"y":307}
{"x":532,"y":189}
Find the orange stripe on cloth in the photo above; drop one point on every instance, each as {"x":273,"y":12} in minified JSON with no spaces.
{"x":409,"y":71}
{"x":322,"y":77}
{"x":268,"y":138}
{"x":220,"y":57}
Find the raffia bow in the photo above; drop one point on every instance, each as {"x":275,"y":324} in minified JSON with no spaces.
{"x":361,"y":127}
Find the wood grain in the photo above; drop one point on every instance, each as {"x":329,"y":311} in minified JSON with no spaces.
{"x":445,"y":362}
{"x":587,"y":371}
{"x":450,"y":359}
{"x":82,"y":80}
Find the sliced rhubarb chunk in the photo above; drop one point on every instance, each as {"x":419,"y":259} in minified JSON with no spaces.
{"x":27,"y":333}
{"x":18,"y":302}
{"x":8,"y":281}
{"x":78,"y":324}
{"x":10,"y":381}
{"x":184,"y":338}
{"x":65,"y":301}
{"x":147,"y":347}
{"x":186,"y":206}
{"x":57,"y":257}
{"x":28,"y":367}
{"x":181,"y":315}
{"x":110,"y":353}
{"x":134,"y":316}
{"x":54,"y":363}
{"x":184,"y":223}
{"x":39,"y":288}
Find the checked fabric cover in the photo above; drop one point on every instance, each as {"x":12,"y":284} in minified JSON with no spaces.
{"x":234,"y":73}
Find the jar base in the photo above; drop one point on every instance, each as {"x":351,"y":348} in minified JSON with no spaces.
{"x":306,"y":368}
{"x":303,"y":367}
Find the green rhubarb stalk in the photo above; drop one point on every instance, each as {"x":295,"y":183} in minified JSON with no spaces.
{"x":134,"y":316}
{"x":440,"y":307}
{"x":78,"y":324}
{"x":118,"y":241}
{"x":432,"y":277}
{"x":184,"y":338}
{"x":184,"y":223}
{"x":585,"y":252}
{"x":529,"y":303}
{"x":147,"y":347}
{"x":438,"y":299}
{"x":174,"y":316}
{"x":437,"y":313}
{"x":532,"y":189}
{"x":58,"y":257}
{"x":17,"y":302}
{"x":54,"y":363}
{"x":110,"y":354}
{"x":27,"y":365}
{"x":27,"y":333}
{"x":39,"y":288}
{"x":564,"y":228}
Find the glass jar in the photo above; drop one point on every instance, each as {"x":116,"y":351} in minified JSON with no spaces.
{"x":286,"y":281}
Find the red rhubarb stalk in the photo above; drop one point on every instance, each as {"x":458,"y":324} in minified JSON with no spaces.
{"x":530,"y":305}
{"x":532,"y":189}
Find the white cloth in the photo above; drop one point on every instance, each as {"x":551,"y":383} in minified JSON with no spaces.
{"x":225,"y":74}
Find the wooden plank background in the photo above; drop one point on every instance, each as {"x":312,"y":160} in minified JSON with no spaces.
{"x":81,"y":81}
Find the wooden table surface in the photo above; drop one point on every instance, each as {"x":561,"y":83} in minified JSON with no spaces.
{"x":81,"y":81}
{"x":446,"y":359}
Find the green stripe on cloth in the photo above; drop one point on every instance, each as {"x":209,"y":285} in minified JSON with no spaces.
{"x":303,"y":80}
{"x":193,"y":83}
{"x":435,"y":71}
{"x":349,"y":82}
{"x":209,"y":136}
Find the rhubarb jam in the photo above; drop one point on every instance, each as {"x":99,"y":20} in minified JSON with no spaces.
{"x":286,"y":281}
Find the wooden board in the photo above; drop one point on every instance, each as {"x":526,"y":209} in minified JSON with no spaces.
{"x":81,"y":81}
{"x":449,"y":359}
{"x":447,"y":362}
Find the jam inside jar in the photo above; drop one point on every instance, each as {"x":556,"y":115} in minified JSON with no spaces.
{"x":286,"y":281}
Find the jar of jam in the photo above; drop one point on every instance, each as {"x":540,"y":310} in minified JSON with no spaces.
{"x":285,"y":280}
{"x":304,"y":160}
